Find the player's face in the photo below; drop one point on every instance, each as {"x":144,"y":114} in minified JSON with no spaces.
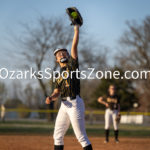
{"x":112,"y":90}
{"x":60,"y":55}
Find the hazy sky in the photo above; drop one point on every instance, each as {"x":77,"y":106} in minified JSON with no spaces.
{"x":103,"y":19}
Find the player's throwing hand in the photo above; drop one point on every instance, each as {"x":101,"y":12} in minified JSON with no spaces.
{"x":48,"y":100}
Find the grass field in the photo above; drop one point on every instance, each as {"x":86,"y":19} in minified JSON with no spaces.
{"x":46,"y":128}
{"x":37,"y":135}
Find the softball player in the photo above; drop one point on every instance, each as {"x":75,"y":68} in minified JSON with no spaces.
{"x":72,"y":105}
{"x":112,"y":110}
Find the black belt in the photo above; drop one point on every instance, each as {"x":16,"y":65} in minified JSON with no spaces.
{"x":70,"y":98}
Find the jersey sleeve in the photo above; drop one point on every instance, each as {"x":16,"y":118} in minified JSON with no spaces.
{"x":56,"y":86}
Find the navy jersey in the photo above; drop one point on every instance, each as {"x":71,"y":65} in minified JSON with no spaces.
{"x":70,"y":86}
{"x":112,"y":101}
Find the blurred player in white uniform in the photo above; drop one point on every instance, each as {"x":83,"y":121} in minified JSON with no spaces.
{"x":112,"y":104}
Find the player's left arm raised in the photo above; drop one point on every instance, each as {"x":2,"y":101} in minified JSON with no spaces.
{"x":74,"y":49}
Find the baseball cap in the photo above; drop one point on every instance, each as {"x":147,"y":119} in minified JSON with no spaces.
{"x":59,"y":49}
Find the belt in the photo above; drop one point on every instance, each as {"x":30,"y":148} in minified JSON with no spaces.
{"x":68,"y":98}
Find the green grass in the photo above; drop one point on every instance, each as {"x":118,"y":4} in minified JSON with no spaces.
{"x":46,"y":128}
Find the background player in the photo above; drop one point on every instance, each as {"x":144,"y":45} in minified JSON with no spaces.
{"x":112,"y":110}
{"x":72,"y":106}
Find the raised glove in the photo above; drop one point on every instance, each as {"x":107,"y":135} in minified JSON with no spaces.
{"x":74,"y":16}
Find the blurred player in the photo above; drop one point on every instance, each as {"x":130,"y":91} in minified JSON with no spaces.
{"x":2,"y":113}
{"x":112,"y":111}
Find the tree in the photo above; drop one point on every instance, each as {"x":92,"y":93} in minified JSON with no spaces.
{"x":29,"y":96}
{"x":15,"y":90}
{"x":125,"y":91}
{"x":92,"y":55}
{"x":12,"y":103}
{"x":38,"y":43}
{"x":135,"y":55}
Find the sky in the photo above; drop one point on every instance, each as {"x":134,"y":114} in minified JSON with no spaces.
{"x":104,"y":20}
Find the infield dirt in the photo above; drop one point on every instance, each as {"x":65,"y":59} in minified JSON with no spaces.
{"x":35,"y":142}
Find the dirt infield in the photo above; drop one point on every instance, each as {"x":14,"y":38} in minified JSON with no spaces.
{"x":20,"y":142}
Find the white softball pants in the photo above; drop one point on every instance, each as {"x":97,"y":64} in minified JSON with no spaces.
{"x":71,"y":111}
{"x":111,"y":115}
